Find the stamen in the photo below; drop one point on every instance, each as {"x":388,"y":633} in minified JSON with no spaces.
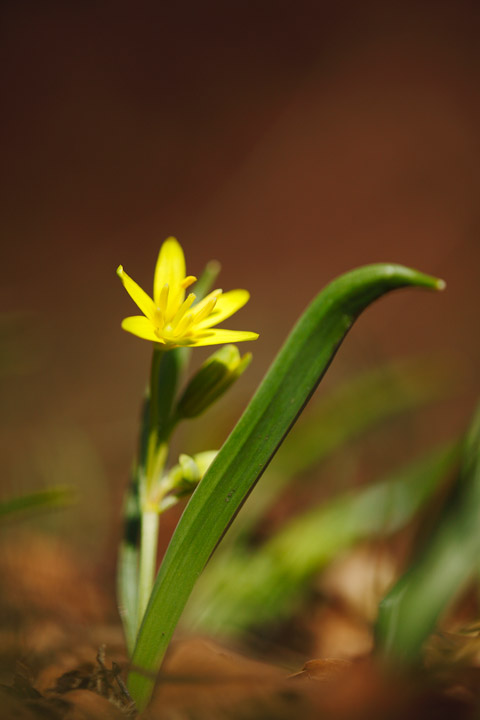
{"x":159,"y":318}
{"x":183,"y":325}
{"x":207,"y":306}
{"x":163,"y":299}
{"x":183,"y":309}
{"x":189,"y":280}
{"x":200,"y":307}
{"x":175,"y":300}
{"x":206,"y":310}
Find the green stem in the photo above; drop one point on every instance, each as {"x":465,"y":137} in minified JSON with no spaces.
{"x":149,"y":521}
{"x":148,"y":560}
{"x":127,"y":572}
{"x":163,"y":382}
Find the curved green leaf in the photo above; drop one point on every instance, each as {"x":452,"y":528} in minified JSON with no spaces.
{"x":288,"y":385}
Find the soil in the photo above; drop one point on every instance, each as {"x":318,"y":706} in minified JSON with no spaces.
{"x":63,"y":659}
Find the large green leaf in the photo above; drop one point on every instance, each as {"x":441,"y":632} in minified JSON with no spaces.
{"x":410,"y":611}
{"x":288,"y":385}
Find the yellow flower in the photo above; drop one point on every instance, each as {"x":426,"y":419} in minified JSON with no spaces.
{"x":173,"y":320}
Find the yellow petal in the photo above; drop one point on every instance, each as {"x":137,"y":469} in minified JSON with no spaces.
{"x":139,"y":296}
{"x":141,"y":327}
{"x":217,"y":337}
{"x":227,"y":304}
{"x":169,"y":270}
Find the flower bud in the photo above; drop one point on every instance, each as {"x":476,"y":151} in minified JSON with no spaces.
{"x":213,"y":378}
{"x":184,"y":477}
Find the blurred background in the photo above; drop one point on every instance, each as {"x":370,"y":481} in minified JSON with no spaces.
{"x":291,"y":142}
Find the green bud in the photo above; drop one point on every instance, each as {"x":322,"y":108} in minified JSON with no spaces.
{"x":212,"y":380}
{"x":204,"y":459}
{"x":184,"y":477}
{"x":189,"y":469}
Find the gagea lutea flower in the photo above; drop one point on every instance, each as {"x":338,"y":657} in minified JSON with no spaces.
{"x":173,"y":320}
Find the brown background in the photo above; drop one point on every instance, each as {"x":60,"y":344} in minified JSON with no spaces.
{"x":291,"y":141}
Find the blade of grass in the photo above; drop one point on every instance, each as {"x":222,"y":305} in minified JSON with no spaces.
{"x":249,"y":588}
{"x":410,"y":611}
{"x":285,"y":390}
{"x":49,"y":499}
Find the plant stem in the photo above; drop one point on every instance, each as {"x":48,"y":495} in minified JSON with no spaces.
{"x":127,"y":568}
{"x":163,"y":381}
{"x":127,"y":577}
{"x":148,"y":516}
{"x":137,"y":555}
{"x":148,"y":560}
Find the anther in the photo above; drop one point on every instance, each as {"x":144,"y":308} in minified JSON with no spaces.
{"x":189,"y":280}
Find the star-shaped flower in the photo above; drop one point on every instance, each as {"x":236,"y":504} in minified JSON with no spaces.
{"x":173,"y":320}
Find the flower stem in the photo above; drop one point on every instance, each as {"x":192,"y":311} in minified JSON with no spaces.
{"x":163,"y":383}
{"x":148,"y":560}
{"x":138,"y":550}
{"x":127,"y":570}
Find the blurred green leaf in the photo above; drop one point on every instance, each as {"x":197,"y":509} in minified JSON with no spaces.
{"x":250,"y":587}
{"x":50,"y":499}
{"x":345,"y":413}
{"x":365,"y":402}
{"x":205,"y":282}
{"x":410,"y":611}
